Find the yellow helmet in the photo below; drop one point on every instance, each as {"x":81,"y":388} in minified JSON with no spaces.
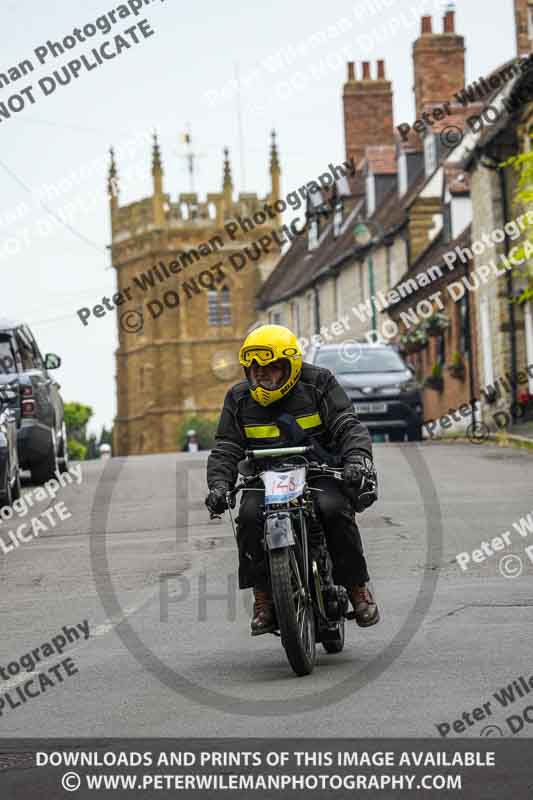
{"x":264,"y":345}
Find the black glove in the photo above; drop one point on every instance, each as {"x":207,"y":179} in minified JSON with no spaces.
{"x":216,"y":499}
{"x":360,"y":474}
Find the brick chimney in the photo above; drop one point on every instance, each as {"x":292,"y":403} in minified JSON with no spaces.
{"x":367,"y":105}
{"x":439,"y":63}
{"x":523,"y":12}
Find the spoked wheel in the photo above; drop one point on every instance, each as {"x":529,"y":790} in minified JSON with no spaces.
{"x":294,"y":611}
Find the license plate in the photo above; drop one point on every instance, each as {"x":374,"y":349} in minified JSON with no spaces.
{"x":370,"y":408}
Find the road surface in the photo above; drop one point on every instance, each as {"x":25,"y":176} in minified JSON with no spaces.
{"x":169,"y":651}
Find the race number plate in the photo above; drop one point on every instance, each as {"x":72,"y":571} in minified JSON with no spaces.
{"x":280,"y":487}
{"x":370,"y":408}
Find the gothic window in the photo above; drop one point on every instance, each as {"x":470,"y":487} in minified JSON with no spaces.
{"x":219,"y":307}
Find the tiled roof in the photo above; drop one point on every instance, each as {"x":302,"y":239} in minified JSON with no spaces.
{"x":299,"y":266}
{"x":524,"y":80}
{"x":433,"y":255}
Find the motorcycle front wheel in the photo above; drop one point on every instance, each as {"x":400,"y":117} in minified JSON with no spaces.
{"x":294,"y":611}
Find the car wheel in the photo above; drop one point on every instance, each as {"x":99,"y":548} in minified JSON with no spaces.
{"x":6,"y":494}
{"x":62,"y":455}
{"x":414,"y":433}
{"x":396,"y":436}
{"x":16,"y":490}
{"x":46,"y":469}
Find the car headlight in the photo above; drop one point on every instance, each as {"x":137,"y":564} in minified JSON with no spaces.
{"x":409,"y":386}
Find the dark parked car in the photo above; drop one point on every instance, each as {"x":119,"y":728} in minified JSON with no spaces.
{"x":41,"y":434}
{"x":384,"y":391}
{"x":9,"y":463}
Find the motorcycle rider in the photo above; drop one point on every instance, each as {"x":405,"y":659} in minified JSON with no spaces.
{"x":279,"y":382}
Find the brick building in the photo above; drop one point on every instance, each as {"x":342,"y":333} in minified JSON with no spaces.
{"x":423,"y":195}
{"x":182,"y":360}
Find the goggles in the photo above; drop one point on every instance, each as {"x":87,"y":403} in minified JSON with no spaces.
{"x":263,"y":356}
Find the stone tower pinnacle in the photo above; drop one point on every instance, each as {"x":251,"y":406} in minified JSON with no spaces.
{"x":227,"y":183}
{"x":157,"y":173}
{"x":112,"y":186}
{"x":275,"y":170}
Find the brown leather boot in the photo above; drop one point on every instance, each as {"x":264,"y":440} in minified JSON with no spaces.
{"x":366,"y":612}
{"x":264,"y":620}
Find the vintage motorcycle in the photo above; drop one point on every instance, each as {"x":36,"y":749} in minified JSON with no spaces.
{"x":309,"y":607}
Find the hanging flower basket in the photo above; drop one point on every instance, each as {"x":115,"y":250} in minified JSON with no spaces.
{"x":413,"y":342}
{"x":437,"y":324}
{"x":435,"y":381}
{"x":457,"y":367}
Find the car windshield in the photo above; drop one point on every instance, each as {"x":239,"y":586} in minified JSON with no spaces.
{"x":353,"y":358}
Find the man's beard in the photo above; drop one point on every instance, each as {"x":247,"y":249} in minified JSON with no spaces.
{"x":268,"y":383}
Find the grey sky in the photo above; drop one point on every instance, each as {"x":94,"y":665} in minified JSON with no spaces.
{"x":183,"y":74}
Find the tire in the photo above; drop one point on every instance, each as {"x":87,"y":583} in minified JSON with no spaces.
{"x":46,"y":469}
{"x":6,"y":495}
{"x":335,"y":645}
{"x":300,"y":649}
{"x":16,"y":489}
{"x":62,"y":455}
{"x":396,"y":436}
{"x":414,"y":433}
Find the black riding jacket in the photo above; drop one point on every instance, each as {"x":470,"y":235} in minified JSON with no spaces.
{"x":319,"y":404}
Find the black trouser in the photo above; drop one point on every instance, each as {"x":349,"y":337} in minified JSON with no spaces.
{"x":337,"y":517}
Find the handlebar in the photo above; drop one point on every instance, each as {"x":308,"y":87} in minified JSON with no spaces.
{"x":276,"y":452}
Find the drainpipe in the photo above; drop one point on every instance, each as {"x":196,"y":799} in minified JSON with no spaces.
{"x":471,"y":382}
{"x":317,"y":310}
{"x":510,"y":294}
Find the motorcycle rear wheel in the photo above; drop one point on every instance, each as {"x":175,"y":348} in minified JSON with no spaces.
{"x":294,"y":613}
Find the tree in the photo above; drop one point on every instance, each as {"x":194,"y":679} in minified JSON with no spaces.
{"x":77,"y":416}
{"x":106,"y":437}
{"x":205,"y":430}
{"x":76,"y":450}
{"x":92,"y":447}
{"x":523,"y":197}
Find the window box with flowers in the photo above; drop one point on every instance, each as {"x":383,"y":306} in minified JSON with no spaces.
{"x":436,"y":324}
{"x":414,"y":342}
{"x":457,"y":367}
{"x":435,"y":381}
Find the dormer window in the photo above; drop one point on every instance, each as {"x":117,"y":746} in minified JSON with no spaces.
{"x":370,"y":195}
{"x":403,"y":178}
{"x":430,"y":153}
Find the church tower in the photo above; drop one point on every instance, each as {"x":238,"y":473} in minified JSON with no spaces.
{"x":185,"y":305}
